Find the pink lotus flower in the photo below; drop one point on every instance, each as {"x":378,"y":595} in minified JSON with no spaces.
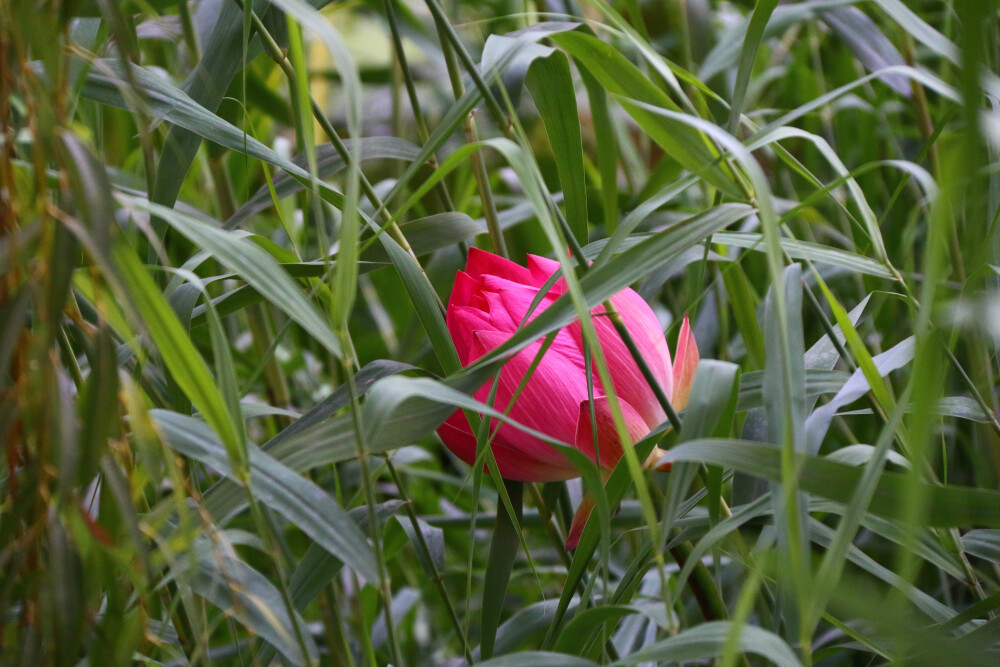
{"x":488,"y":303}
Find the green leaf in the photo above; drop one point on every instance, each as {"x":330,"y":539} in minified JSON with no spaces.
{"x":328,"y":163}
{"x":538,"y":659}
{"x":707,"y":641}
{"x":983,"y":543}
{"x":748,"y":56}
{"x":620,"y":77}
{"x":296,"y":498}
{"x":607,"y":148}
{"x":504,"y":546}
{"x":868,"y":44}
{"x":814,"y":252}
{"x":254,"y":265}
{"x":229,"y":583}
{"x":311,"y":441}
{"x":551,"y":85}
{"x":180,"y":356}
{"x":579,"y":634}
{"x":947,"y":506}
{"x":317,"y":568}
{"x":166,"y":102}
{"x":205,"y":86}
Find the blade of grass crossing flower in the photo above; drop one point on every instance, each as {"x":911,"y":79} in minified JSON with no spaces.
{"x":534,"y":187}
{"x":551,"y":85}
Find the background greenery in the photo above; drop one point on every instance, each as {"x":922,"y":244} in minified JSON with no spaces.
{"x":226,"y":230}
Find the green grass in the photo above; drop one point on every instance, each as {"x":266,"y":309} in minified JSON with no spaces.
{"x":227,"y":230}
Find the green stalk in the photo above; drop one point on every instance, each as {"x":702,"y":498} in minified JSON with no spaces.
{"x":436,"y":576}
{"x":385,"y":585}
{"x":472,"y":136}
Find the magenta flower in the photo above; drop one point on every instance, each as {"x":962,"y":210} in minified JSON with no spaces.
{"x":489,"y":302}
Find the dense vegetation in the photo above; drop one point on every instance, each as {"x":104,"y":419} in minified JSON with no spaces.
{"x":228,"y":233}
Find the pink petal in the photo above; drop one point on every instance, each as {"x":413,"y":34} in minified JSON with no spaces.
{"x":456,"y":433}
{"x":609,"y":445}
{"x":542,"y":269}
{"x":485,"y":341}
{"x":457,"y":436}
{"x":481,"y":263}
{"x":687,"y":362}
{"x":547,"y":404}
{"x":642,"y":323}
{"x":462,"y":322}
{"x":583,"y":512}
{"x":629,"y":383}
{"x":517,"y":299}
{"x":465,"y":289}
{"x":500,"y":316}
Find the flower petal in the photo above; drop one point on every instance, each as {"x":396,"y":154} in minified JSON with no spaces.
{"x":457,"y":435}
{"x":583,"y":512}
{"x":641,"y":322}
{"x":465,"y":289}
{"x":481,"y":263}
{"x":547,"y":404}
{"x":607,"y":442}
{"x":541,"y":269}
{"x":629,"y":382}
{"x":684,"y":368}
{"x":462,"y":322}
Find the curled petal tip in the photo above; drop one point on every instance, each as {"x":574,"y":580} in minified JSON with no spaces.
{"x":658,"y":460}
{"x":664,"y":463}
{"x":685,"y":363}
{"x":579,"y":521}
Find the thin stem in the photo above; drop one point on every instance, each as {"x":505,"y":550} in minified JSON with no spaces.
{"x":472,"y":136}
{"x":411,"y":92}
{"x":385,"y":585}
{"x":436,"y":576}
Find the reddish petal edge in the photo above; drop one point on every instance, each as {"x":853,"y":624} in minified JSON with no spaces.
{"x":685,"y":362}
